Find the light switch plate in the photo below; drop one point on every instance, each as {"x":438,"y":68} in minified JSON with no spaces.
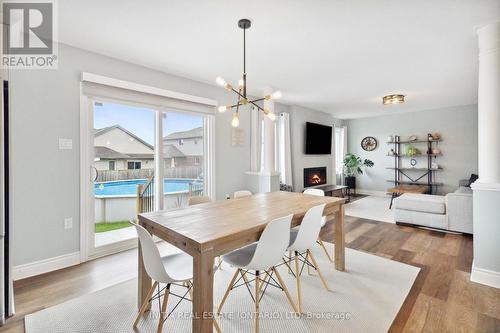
{"x":68,"y":223}
{"x":65,"y":143}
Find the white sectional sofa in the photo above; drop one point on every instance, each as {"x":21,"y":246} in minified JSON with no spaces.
{"x":450,"y":212}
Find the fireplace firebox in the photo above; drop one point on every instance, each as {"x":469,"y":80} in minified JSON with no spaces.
{"x":314,"y":176}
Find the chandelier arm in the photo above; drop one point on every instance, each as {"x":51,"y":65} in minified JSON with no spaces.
{"x":251,"y":102}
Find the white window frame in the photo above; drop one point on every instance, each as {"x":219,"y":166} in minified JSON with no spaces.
{"x":87,"y":219}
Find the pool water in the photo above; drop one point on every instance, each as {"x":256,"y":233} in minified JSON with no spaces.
{"x":129,"y":187}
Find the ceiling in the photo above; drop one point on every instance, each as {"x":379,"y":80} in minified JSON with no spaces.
{"x":335,"y":56}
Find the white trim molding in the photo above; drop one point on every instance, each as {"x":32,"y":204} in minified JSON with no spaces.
{"x":485,"y":276}
{"x":45,"y":265}
{"x":108,"y":81}
{"x":478,"y":185}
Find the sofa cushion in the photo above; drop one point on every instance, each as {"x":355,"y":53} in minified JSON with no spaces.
{"x":425,"y":203}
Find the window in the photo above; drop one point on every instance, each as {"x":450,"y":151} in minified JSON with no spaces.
{"x":339,"y":149}
{"x":111,"y":165}
{"x":133,"y":165}
{"x":195,"y":141}
{"x":181,"y":142}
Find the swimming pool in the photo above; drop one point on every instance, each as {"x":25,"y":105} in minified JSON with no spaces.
{"x":129,"y":187}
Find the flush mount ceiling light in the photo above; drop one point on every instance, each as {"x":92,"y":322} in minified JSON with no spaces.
{"x":242,"y":87}
{"x":393,"y":99}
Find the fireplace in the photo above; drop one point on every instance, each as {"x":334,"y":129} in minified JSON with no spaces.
{"x":314,"y":176}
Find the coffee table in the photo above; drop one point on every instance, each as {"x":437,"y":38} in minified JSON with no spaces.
{"x":398,"y":190}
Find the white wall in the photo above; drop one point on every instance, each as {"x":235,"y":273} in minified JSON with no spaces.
{"x":458,"y":128}
{"x":45,"y":106}
{"x":298,"y":118}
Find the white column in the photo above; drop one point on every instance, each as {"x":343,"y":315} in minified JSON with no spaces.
{"x":486,"y":197}
{"x":269,"y":137}
{"x":159,"y":167}
{"x":489,"y":103}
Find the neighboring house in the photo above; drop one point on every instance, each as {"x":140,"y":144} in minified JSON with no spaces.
{"x":115,"y":148}
{"x":187,"y":144}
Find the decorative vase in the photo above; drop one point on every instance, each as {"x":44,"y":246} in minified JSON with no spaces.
{"x":350,"y":181}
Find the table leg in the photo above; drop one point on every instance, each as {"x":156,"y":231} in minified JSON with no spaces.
{"x":144,"y":282}
{"x":203,"y":285}
{"x":339,"y":233}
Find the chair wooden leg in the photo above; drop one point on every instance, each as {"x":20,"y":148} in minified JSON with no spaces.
{"x":289,"y":262}
{"x":297,"y":279}
{"x":257,"y":305}
{"x":244,"y":275}
{"x":163,"y":309}
{"x":189,"y":285}
{"x":324,"y":249}
{"x":308,"y":266}
{"x":285,"y":289}
{"x":319,"y":271}
{"x":227,"y":291}
{"x":145,"y":304}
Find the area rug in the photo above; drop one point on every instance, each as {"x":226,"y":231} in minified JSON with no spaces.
{"x":364,"y":298}
{"x":371,"y":208}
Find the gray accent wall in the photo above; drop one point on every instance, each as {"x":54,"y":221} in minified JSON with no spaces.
{"x":298,"y":118}
{"x":458,"y":128}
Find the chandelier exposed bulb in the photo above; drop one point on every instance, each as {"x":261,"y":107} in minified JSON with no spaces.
{"x":221,"y":82}
{"x":271,"y":116}
{"x":241,"y":83}
{"x":275,"y":95}
{"x":224,"y":108}
{"x":236,"y":119}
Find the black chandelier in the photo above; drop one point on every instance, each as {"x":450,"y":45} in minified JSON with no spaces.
{"x":242,"y":87}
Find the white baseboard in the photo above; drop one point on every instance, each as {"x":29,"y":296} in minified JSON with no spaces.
{"x":374,"y":193}
{"x":45,"y":265}
{"x":485,"y":276}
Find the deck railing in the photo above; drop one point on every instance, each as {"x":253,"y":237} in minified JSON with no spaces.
{"x":146,"y":196}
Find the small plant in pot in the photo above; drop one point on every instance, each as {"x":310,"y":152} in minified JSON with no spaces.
{"x":353,"y":166}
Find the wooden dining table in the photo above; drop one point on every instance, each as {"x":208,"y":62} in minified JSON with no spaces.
{"x":208,"y":230}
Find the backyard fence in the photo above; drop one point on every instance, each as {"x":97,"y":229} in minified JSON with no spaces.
{"x":191,"y":172}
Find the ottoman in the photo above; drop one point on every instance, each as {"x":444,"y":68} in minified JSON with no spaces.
{"x":421,"y":209}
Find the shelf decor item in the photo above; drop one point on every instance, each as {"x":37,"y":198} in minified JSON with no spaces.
{"x":436,"y":151}
{"x":369,"y":143}
{"x":413,"y":162}
{"x":411,"y":151}
{"x":413,"y":138}
{"x":352,"y":167}
{"x":436,"y":136}
{"x":390,"y":139}
{"x":241,"y":92}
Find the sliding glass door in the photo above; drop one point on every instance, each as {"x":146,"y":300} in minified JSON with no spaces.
{"x":140,"y":156}
{"x":123,"y":159}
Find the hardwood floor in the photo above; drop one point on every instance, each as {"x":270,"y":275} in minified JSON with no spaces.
{"x":441,"y":300}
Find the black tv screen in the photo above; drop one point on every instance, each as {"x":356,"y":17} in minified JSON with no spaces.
{"x":318,"y":139}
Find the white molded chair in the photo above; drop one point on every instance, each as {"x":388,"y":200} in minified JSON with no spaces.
{"x":171,"y":269}
{"x":261,"y":257}
{"x":319,"y":193}
{"x":242,"y":194}
{"x":314,"y":191}
{"x":301,"y":241}
{"x":198,"y":200}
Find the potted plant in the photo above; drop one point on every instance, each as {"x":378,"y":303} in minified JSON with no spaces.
{"x":352,"y":167}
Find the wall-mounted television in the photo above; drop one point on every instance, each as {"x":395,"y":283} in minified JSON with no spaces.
{"x":318,"y":139}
